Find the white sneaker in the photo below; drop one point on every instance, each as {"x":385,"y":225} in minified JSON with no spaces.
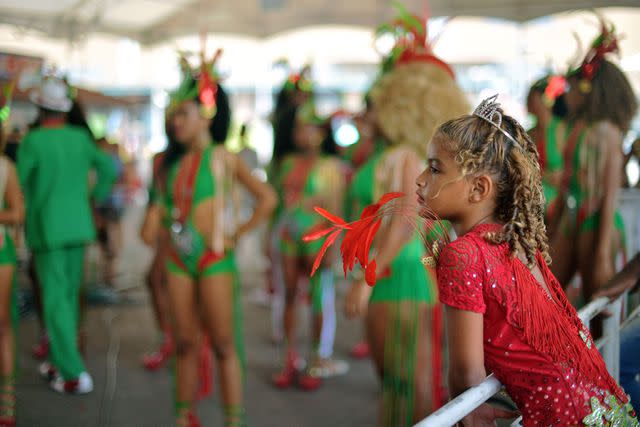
{"x":83,"y":385}
{"x":47,"y":371}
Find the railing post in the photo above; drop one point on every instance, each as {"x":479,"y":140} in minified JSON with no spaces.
{"x":611,"y":331}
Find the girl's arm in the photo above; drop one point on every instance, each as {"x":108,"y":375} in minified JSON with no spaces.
{"x":610,"y":138}
{"x":466,"y":354}
{"x":13,"y":213}
{"x":466,"y":363}
{"x":264,"y":194}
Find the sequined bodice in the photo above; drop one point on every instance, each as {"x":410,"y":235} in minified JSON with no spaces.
{"x":549,"y":390}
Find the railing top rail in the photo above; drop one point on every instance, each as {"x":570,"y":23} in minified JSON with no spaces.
{"x":592,"y":309}
{"x":466,"y":402}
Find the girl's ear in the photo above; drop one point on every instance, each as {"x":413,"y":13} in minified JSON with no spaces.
{"x":481,"y":188}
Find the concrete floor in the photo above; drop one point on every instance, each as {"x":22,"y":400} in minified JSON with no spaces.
{"x":126,"y":395}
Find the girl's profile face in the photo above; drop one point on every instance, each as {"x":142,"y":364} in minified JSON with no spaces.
{"x":441,"y":187}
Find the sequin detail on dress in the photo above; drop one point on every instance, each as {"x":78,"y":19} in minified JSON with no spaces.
{"x":613,"y":414}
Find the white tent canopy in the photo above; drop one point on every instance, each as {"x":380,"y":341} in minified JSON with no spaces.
{"x":153,"y":21}
{"x":102,"y":60}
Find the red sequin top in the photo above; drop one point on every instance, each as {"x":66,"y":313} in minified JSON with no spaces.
{"x":534,"y":342}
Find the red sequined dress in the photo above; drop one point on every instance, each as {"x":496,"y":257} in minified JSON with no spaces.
{"x":534,"y":342}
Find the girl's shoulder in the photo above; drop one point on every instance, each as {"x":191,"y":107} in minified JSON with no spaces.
{"x":460,"y":275}
{"x":472,"y":249}
{"x":466,"y":265}
{"x":465,"y":249}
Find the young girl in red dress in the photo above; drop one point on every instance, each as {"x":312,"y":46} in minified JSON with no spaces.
{"x":505,"y":311}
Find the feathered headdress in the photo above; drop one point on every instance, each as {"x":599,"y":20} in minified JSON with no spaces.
{"x":551,"y":87}
{"x":308,"y":114}
{"x":411,"y":41}
{"x":299,"y":81}
{"x":200,"y":82}
{"x":359,"y":235}
{"x":606,"y":42}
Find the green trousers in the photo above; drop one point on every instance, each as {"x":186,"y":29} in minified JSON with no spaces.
{"x":60,"y":272}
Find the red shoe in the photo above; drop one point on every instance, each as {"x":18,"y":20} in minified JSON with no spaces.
{"x":157,"y":359}
{"x":7,"y":421}
{"x":40,"y":351}
{"x":193,"y":420}
{"x":190,"y":420}
{"x":360,"y":350}
{"x":285,"y":378}
{"x":309,"y":383}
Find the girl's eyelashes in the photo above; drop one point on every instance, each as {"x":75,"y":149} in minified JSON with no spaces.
{"x":433,"y":168}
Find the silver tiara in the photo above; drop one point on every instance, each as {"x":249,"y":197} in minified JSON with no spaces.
{"x":488,"y":110}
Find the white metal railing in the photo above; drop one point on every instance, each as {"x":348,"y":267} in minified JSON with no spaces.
{"x":609,"y":346}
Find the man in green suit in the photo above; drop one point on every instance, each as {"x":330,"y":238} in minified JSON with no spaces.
{"x":54,"y":162}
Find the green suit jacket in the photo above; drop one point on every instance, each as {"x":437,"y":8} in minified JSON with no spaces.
{"x":53,"y":167}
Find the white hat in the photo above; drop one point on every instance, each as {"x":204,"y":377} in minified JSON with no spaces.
{"x":52,"y":94}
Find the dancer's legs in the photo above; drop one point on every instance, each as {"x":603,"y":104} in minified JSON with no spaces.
{"x":291,"y":274}
{"x":156,"y":283}
{"x":219,"y":306}
{"x":399,"y":336}
{"x":7,"y":338}
{"x":187,"y":329}
{"x":7,"y":346}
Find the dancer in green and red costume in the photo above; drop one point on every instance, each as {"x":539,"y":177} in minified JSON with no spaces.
{"x":541,"y":104}
{"x":296,"y":90}
{"x":157,"y":237}
{"x":308,"y":176}
{"x":198,"y":213}
{"x":415,"y":93}
{"x":601,"y":105}
{"x":11,"y":213}
{"x":371,"y":144}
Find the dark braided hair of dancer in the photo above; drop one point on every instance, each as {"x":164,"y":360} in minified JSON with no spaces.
{"x":479,"y":147}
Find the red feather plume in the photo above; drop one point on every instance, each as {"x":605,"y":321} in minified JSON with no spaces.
{"x":358,"y":238}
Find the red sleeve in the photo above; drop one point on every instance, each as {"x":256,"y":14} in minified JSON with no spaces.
{"x":461,"y":275}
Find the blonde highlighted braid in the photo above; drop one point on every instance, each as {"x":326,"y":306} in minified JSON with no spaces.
{"x":480,"y":147}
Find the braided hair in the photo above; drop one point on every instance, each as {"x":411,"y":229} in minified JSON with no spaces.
{"x":479,"y":147}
